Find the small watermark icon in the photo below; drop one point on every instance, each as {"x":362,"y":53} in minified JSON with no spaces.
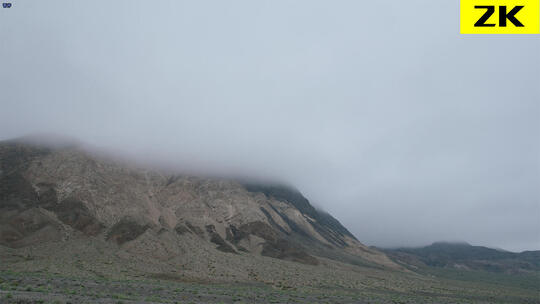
{"x":6,"y":4}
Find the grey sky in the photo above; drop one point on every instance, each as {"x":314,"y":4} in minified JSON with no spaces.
{"x":403,"y":129}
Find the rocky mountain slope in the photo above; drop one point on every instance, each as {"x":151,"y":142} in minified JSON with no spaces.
{"x":467,"y":257}
{"x":60,"y":203}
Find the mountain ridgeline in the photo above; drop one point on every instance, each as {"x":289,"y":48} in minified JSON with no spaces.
{"x":467,"y":257}
{"x":324,"y":223}
{"x":57,"y":198}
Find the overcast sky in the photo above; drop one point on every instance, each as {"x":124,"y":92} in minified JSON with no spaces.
{"x":378,"y":111}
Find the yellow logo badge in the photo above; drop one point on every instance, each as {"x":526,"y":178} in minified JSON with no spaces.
{"x":500,"y":16}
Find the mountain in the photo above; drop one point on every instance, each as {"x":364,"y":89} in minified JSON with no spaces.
{"x":65,"y":208}
{"x":81,"y":227}
{"x":467,"y":257}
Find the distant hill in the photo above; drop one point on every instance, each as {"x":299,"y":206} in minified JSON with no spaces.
{"x":467,"y":257}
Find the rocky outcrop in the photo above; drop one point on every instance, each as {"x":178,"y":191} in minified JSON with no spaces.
{"x":126,"y":230}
